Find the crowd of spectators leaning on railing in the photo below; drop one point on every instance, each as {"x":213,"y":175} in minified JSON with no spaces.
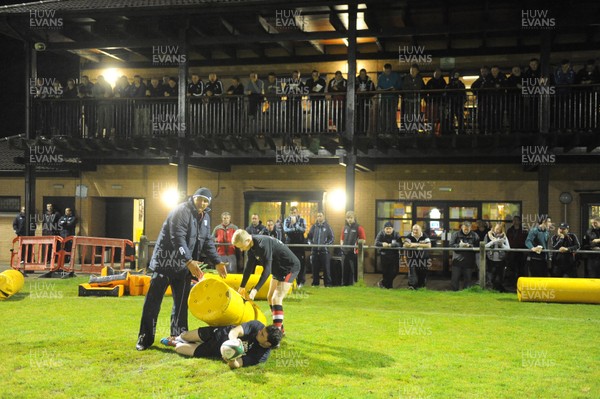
{"x":393,"y":102}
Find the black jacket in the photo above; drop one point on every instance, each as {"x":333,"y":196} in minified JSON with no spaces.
{"x":393,"y":239}
{"x":256,"y":230}
{"x":320,"y":234}
{"x":464,"y":258}
{"x":66,"y":225}
{"x":184,"y":236}
{"x":50,"y":223}
{"x":19,"y":224}
{"x":571,"y":242}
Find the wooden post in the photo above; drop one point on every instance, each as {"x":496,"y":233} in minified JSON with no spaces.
{"x":482,"y":261}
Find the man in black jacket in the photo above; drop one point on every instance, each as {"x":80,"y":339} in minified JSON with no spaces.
{"x":591,"y":242}
{"x":320,"y":233}
{"x":184,"y":235}
{"x":567,"y":243}
{"x":463,"y":262}
{"x":388,"y":240}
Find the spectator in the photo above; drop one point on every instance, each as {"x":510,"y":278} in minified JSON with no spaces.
{"x":351,"y":233}
{"x":320,"y":233}
{"x":483,"y":104}
{"x":463,"y":262}
{"x":436,"y":101}
{"x":222,"y":235}
{"x":196,"y":87}
{"x":531,"y":104}
{"x":71,"y":90}
{"x":589,"y":74}
{"x":66,"y":226}
{"x":142,"y":120}
{"x":50,"y":228}
{"x":496,"y":82}
{"x":563,"y":262}
{"x":185,"y":234}
{"x":411,"y":98}
{"x":154,"y":89}
{"x":273,"y":93}
{"x":214,"y":86}
{"x":255,"y":91}
{"x":496,"y":239}
{"x":389,"y":82}
{"x":515,"y":261}
{"x":564,"y":75}
{"x":236,"y":88}
{"x":514,"y":84}
{"x":457,"y":98}
{"x":591,"y":242}
{"x":533,"y":70}
{"x":482,"y":229}
{"x":388,"y":240}
{"x":121,"y":89}
{"x":104,"y":111}
{"x":274,"y":230}
{"x":171,"y":90}
{"x":294,"y":227}
{"x":255,"y":227}
{"x":418,"y":261}
{"x":337,"y":88}
{"x":86,"y":90}
{"x":20,"y":229}
{"x":537,"y":241}
{"x":294,"y":90}
{"x":316,"y":87}
{"x":364,"y":93}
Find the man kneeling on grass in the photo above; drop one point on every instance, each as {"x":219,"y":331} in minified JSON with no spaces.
{"x":206,"y":342}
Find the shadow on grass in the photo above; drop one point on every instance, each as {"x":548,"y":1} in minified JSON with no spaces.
{"x":19,"y":296}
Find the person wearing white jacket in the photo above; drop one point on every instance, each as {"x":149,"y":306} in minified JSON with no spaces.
{"x":496,"y":238}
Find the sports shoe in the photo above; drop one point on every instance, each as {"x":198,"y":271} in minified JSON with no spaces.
{"x":167,"y":342}
{"x":140,"y":344}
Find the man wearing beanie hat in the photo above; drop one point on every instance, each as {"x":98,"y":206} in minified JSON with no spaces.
{"x":184,"y":236}
{"x":388,"y":240}
{"x":563,"y":262}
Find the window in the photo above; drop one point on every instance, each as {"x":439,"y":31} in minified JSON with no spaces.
{"x":399,"y":213}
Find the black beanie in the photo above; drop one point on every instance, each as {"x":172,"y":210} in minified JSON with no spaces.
{"x":203,"y":192}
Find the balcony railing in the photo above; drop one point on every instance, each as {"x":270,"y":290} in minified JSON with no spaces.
{"x":569,"y":109}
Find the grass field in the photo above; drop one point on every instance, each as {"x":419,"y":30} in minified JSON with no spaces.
{"x":345,"y":342}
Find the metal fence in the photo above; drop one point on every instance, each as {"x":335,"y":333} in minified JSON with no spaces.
{"x":485,"y":111}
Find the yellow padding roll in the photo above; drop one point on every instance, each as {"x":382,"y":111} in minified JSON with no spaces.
{"x":11,"y":282}
{"x":564,"y":290}
{"x":234,"y":281}
{"x":217,"y":304}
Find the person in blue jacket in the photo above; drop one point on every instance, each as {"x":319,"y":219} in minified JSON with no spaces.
{"x":184,"y":236}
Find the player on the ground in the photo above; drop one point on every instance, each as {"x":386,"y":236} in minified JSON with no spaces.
{"x":277,"y":260}
{"x":258,"y":341}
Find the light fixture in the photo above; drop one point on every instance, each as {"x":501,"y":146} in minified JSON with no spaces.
{"x":448,"y":189}
{"x":116,"y":186}
{"x":111,"y":75}
{"x":337,"y":200}
{"x":58,"y":186}
{"x":170,"y":197}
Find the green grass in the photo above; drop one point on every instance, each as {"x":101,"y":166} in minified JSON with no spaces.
{"x":350,"y":342}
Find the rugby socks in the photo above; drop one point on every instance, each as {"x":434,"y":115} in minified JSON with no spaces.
{"x":277,"y":311}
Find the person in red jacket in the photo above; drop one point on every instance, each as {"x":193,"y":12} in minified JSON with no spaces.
{"x":351,"y":233}
{"x":223,"y":234}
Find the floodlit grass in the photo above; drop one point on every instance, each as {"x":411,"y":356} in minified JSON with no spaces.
{"x":344,"y":342}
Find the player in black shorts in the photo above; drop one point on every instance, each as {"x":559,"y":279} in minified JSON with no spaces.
{"x":258,"y":341}
{"x":277,"y":260}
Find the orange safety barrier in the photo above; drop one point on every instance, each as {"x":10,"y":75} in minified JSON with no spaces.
{"x":90,"y":253}
{"x":37,"y":253}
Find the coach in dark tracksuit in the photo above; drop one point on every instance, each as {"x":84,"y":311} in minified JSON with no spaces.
{"x":184,"y":235}
{"x":320,"y":233}
{"x":389,"y":240}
